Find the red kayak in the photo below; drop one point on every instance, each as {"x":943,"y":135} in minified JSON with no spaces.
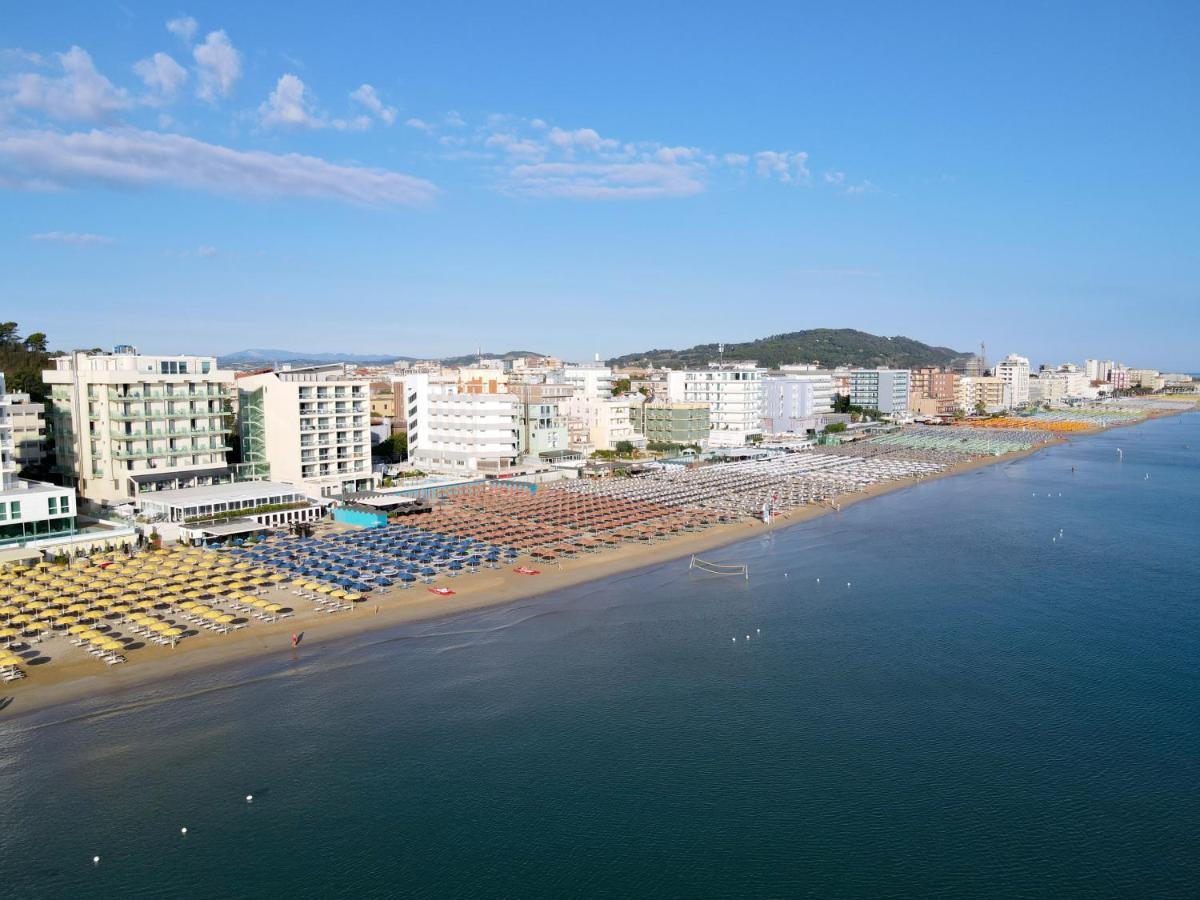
{"x":441,"y":592}
{"x":521,"y":570}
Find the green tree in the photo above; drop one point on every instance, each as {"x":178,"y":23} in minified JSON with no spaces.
{"x":621,"y":386}
{"x":625,"y":448}
{"x":391,"y":450}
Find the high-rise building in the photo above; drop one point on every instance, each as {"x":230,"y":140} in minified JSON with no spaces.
{"x":986,"y":393}
{"x":664,"y":422}
{"x":794,"y":400}
{"x":28,"y":422}
{"x":886,"y":390}
{"x":29,"y":510}
{"x":126,"y":423}
{"x":1013,"y":370}
{"x":734,"y":394}
{"x":589,"y":379}
{"x":451,"y":430}
{"x":307,"y":426}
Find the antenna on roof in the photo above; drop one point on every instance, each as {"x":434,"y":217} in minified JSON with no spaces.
{"x":982,"y":356}
{"x":721,"y":351}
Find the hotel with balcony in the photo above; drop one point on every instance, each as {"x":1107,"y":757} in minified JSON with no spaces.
{"x":127,"y":424}
{"x":735,"y":398}
{"x":451,"y":430}
{"x":308,"y":426}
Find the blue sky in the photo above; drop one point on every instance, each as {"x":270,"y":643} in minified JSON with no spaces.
{"x":425,"y":178}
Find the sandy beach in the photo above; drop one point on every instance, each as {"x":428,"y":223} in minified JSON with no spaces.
{"x":72,"y":674}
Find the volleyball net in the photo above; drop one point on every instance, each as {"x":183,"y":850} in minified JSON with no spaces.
{"x":713,"y":568}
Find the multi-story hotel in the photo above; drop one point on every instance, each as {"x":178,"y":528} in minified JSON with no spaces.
{"x":933,"y":392}
{"x":451,"y":430}
{"x":28,"y":422}
{"x":126,"y":423}
{"x":307,"y":426}
{"x":589,"y":380}
{"x":1013,"y":370}
{"x":734,"y":394}
{"x":606,"y":422}
{"x":29,"y":510}
{"x":985,"y":392}
{"x":886,"y":390}
{"x":663,"y":422}
{"x":795,"y":400}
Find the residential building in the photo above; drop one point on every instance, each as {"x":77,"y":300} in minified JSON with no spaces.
{"x":1014,"y":371}
{"x":28,"y":423}
{"x":543,"y":429}
{"x":734,"y":394}
{"x":589,"y":380}
{"x":995,"y":394}
{"x":127,"y":423}
{"x":664,"y":422}
{"x":1147,"y":379}
{"x":970,"y":366}
{"x":1119,"y":378}
{"x":451,"y":429}
{"x":307,"y":426}
{"x":886,"y":390}
{"x":383,"y":400}
{"x":606,"y":421}
{"x":932,"y":392}
{"x":1098,"y":369}
{"x":796,"y":400}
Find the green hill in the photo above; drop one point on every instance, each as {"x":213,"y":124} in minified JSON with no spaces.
{"x":827,"y":347}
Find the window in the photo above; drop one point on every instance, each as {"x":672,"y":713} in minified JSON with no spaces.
{"x":14,"y":510}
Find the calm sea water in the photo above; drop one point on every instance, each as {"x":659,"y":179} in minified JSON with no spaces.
{"x":982,"y":711}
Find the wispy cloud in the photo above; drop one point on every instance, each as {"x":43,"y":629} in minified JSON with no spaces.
{"x":206,"y":251}
{"x":162,"y":75}
{"x":784,"y":166}
{"x":128,"y":158}
{"x":73,"y":237}
{"x":288,"y":107}
{"x":183,"y":28}
{"x":367,"y":96}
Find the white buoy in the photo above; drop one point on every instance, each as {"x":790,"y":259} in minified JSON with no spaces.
{"x":249,"y":798}
{"x":747,"y":637}
{"x":95,"y":860}
{"x":758,"y":631}
{"x":818,"y":581}
{"x":735,"y":640}
{"x":183,"y":830}
{"x":847,"y":584}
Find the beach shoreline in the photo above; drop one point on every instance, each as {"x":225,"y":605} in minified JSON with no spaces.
{"x":77,"y":679}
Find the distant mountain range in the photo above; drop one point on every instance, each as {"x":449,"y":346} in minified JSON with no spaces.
{"x":244,"y":359}
{"x":827,"y":347}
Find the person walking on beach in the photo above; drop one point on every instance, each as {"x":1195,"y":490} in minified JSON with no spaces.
{"x":295,"y":640}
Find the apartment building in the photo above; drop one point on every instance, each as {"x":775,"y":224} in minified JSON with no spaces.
{"x":995,"y":394}
{"x":27,"y":420}
{"x":1149,"y":379}
{"x":452,"y":429}
{"x":589,"y":380}
{"x":664,"y":422}
{"x":307,"y":426}
{"x":605,"y":421}
{"x":796,"y":400}
{"x":733,"y":392}
{"x":29,"y":510}
{"x":1014,"y":371}
{"x":886,"y":390}
{"x":127,"y":423}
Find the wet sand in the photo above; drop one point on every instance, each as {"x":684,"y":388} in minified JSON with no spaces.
{"x":72,"y":674}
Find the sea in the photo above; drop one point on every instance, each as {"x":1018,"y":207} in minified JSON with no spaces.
{"x":979,"y":686}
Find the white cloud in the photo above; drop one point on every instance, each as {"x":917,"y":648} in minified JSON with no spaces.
{"x":834,"y":178}
{"x":863,"y":187}
{"x":80,"y":94}
{"x":183,"y":28}
{"x":287,"y":107}
{"x":128,"y":158}
{"x":162,"y":75}
{"x":454,"y":120}
{"x":17,"y":55}
{"x":207,"y":251}
{"x":218,"y":66}
{"x":676,"y":154}
{"x":517,"y":148}
{"x":582,"y":138}
{"x":369,"y":97}
{"x":354,"y":123}
{"x":790,"y":168}
{"x":736,"y":160}
{"x":595,"y":181}
{"x":419,"y":124}
{"x":73,"y":237}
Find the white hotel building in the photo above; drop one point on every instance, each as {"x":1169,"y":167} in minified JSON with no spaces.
{"x":452,"y":430}
{"x":29,"y":510}
{"x":308,"y":426}
{"x":886,"y":390}
{"x":796,"y":400}
{"x":126,"y":424}
{"x":734,"y":394}
{"x":1014,"y":370}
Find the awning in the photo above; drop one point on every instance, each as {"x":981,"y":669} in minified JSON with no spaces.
{"x":225,"y":529}
{"x":178,"y":475}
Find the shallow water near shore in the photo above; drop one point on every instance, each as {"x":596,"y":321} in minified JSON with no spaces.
{"x":987,"y":709}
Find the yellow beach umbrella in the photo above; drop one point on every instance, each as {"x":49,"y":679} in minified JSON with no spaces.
{"x":8,"y":632}
{"x":173,"y":632}
{"x":79,"y":629}
{"x":9,"y":659}
{"x":112,"y":645}
{"x":187,"y":604}
{"x":225,"y":618}
{"x":272,"y":607}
